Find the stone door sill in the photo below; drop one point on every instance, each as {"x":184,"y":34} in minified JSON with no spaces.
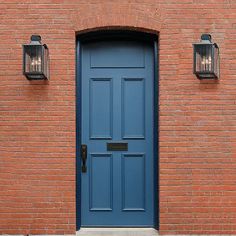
{"x":117,"y":232}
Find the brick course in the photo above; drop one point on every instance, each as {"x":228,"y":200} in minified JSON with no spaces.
{"x":197,"y":119}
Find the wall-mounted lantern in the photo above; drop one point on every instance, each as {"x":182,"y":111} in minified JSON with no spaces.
{"x":206,"y":58}
{"x":36,"y":59}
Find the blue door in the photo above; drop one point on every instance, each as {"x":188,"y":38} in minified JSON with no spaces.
{"x":117,"y":130}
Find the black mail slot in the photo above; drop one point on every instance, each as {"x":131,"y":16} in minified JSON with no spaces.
{"x":117,"y":146}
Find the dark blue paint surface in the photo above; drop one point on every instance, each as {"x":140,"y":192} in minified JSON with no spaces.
{"x":117,"y":106}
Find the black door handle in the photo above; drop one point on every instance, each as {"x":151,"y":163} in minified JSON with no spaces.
{"x":84,"y":157}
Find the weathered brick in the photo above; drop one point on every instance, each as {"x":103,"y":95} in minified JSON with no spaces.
{"x":197,"y":119}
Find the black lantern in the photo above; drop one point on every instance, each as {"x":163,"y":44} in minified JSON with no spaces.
{"x":206,"y":58}
{"x":36,"y":59}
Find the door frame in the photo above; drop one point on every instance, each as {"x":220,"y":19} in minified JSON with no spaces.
{"x":127,"y":35}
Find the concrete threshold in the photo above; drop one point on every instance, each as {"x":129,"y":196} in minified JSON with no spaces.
{"x":117,"y":232}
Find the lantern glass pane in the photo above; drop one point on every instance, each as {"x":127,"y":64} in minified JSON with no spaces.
{"x":204,"y":60}
{"x":33,"y":59}
{"x":46,"y":62}
{"x":216,"y":62}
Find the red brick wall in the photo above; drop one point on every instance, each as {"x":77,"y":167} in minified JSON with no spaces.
{"x":197,"y":119}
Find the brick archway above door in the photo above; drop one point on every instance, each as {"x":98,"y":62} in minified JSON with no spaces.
{"x":142,"y":17}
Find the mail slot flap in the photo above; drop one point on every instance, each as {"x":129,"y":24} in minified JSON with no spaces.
{"x":117,"y":146}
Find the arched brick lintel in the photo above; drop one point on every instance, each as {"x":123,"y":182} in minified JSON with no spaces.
{"x":118,"y":22}
{"x":129,"y":28}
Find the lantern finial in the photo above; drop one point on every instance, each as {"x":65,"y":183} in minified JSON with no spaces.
{"x":206,"y":37}
{"x":35,"y":38}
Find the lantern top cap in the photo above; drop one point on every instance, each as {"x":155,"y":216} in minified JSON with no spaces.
{"x":206,"y":40}
{"x":35,"y":40}
{"x":206,"y":37}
